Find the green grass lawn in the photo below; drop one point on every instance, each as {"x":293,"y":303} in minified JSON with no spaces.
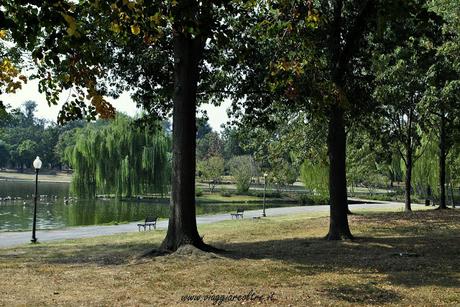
{"x":396,"y":259}
{"x":218,"y":198}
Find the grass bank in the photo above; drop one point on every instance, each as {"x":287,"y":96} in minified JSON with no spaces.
{"x":30,"y":176}
{"x":397,"y":259}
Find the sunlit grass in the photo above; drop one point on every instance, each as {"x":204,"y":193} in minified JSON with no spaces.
{"x":396,"y":259}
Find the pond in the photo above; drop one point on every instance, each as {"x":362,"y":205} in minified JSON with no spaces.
{"x":53,"y":212}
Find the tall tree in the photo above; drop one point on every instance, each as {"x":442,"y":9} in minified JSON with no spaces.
{"x":399,"y":87}
{"x":441,"y":98}
{"x":401,"y":63}
{"x":157,"y":48}
{"x":323,"y":70}
{"x":119,"y":158}
{"x":442,"y":107}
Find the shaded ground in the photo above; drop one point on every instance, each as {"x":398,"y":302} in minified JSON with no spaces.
{"x":398,"y":259}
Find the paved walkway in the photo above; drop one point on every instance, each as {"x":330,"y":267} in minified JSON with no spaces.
{"x":9,"y":239}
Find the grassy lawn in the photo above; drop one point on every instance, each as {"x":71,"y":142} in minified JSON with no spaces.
{"x":216,"y":197}
{"x":397,"y":259}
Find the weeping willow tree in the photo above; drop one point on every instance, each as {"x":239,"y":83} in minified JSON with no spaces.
{"x":426,"y":169}
{"x":314,"y":172}
{"x":120,"y":159}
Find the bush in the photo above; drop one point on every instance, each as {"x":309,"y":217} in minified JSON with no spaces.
{"x":310,"y":199}
{"x":211,"y":169}
{"x":268,"y":194}
{"x":242,"y":169}
{"x":225,"y":194}
{"x":198,"y":192}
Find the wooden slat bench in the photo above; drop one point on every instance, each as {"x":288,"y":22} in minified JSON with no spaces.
{"x":149,"y":221}
{"x":239,"y":213}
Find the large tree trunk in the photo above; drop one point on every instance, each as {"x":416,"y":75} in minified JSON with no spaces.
{"x":409,"y":164}
{"x":408,"y":179}
{"x":338,"y":225}
{"x":182,"y":227}
{"x":442,"y":163}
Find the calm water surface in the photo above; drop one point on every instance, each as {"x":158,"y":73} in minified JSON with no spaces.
{"x":52,"y":212}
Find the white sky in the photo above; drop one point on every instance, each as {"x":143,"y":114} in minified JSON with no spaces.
{"x":217,"y":115}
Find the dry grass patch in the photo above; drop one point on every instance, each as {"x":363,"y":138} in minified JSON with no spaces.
{"x":397,"y":259}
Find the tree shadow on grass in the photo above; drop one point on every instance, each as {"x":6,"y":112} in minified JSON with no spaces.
{"x":98,"y":254}
{"x":393,"y":259}
{"x":368,"y":294}
{"x":412,"y":250}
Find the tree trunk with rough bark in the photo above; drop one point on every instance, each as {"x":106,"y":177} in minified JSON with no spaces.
{"x":409,"y":163}
{"x":408,"y":179}
{"x":338,"y":225}
{"x":442,"y":163}
{"x":182,"y":227}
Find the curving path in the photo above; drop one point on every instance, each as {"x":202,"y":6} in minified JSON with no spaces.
{"x":9,"y":239}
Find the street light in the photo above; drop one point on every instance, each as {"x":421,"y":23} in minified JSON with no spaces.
{"x":37,"y":166}
{"x":265,"y":190}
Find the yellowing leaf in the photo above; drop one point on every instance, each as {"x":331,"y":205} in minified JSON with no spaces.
{"x":72,"y":29}
{"x":312,"y":20}
{"x":115,"y":27}
{"x":135,"y":29}
{"x":2,"y":34}
{"x":155,"y":18}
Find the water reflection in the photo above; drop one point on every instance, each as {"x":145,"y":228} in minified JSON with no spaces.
{"x":53,"y":212}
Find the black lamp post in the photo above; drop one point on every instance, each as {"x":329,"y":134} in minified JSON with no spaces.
{"x":265,"y":190}
{"x":37,"y":166}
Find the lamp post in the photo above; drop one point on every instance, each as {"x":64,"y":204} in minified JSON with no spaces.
{"x":265,"y":190}
{"x":37,"y":166}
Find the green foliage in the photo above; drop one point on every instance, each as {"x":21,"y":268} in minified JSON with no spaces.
{"x":315,"y":176}
{"x":233,"y":143}
{"x":119,"y":158}
{"x":225,"y":194}
{"x":203,"y":127}
{"x":369,"y":163}
{"x":282,"y":173}
{"x":27,"y":150}
{"x":426,"y":169}
{"x":198,"y":192}
{"x":208,"y":145}
{"x":242,"y":168}
{"x":453,"y":161}
{"x":26,"y":136}
{"x":4,"y":153}
{"x":268,"y":194}
{"x":211,"y":170}
{"x":309,"y":199}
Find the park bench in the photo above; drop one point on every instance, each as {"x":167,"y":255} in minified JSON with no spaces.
{"x":149,"y":221}
{"x":239,"y":213}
